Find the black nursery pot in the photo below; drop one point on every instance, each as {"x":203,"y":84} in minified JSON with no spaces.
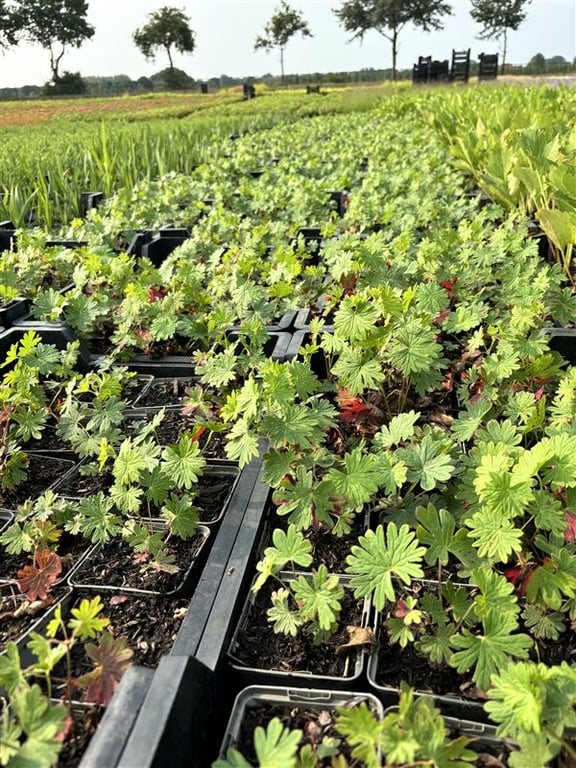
{"x":20,"y":633}
{"x":342,"y":670}
{"x":318,"y":362}
{"x":257,"y":705}
{"x":7,"y":236}
{"x":93,"y":572}
{"x":563,"y":341}
{"x":14,"y":310}
{"x":451,"y":703}
{"x":56,"y":333}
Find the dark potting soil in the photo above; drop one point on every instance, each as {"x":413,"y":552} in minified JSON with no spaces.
{"x":174,"y":423}
{"x":166,"y":392}
{"x":84,"y":726}
{"x":396,"y":664}
{"x":49,"y":441}
{"x":149,"y":623}
{"x":69,"y":548}
{"x":18,"y":615}
{"x":257,"y":646}
{"x":213,"y":489}
{"x":117,"y":565}
{"x":41,"y":472}
{"x":327,"y":548}
{"x":316,"y":724}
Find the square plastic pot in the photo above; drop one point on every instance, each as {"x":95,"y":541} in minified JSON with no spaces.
{"x":14,"y":310}
{"x":286,"y":322}
{"x":296,"y":700}
{"x":61,"y":595}
{"x":451,"y":705}
{"x":183,"y":588}
{"x":354,"y":662}
{"x":563,"y":341}
{"x":319,"y":364}
{"x":58,"y":334}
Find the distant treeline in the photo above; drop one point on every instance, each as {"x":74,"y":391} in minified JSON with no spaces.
{"x":179,"y":80}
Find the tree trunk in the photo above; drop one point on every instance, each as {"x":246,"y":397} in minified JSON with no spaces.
{"x":394,"y":52}
{"x":55,"y":62}
{"x":503,"y":69}
{"x":170,"y":58}
{"x":282,"y":64}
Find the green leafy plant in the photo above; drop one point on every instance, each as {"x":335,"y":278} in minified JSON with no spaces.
{"x":534,"y":705}
{"x":312,"y":603}
{"x":33,"y":728}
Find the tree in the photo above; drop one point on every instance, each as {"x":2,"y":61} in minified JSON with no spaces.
{"x":388,"y":17}
{"x":11,"y":23}
{"x":497,"y":17}
{"x":167,"y":28}
{"x":69,"y":83}
{"x":537,"y":64}
{"x":283,"y":25}
{"x":56,"y":24}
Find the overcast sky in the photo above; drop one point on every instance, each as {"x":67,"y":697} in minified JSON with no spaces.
{"x":226,"y":29}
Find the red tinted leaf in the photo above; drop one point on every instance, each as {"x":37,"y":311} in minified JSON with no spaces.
{"x":448,"y":286}
{"x":143,"y":334}
{"x":538,"y":394}
{"x":198,"y":434}
{"x":441,"y":316}
{"x":118,"y":599}
{"x":570,"y":531}
{"x":35,"y":580}
{"x":68,"y":727}
{"x":514,"y":574}
{"x":350,"y":410}
{"x":112,"y":658}
{"x":155,"y":293}
{"x":401,"y":609}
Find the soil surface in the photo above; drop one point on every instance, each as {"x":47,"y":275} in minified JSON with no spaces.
{"x":327,"y":549}
{"x":316,"y":725}
{"x":69,"y":548}
{"x":18,"y":615}
{"x":174,"y":423}
{"x":149,"y":623}
{"x":85,"y":723}
{"x":213,"y":490}
{"x":256,"y":645}
{"x":165,"y":392}
{"x":396,"y":664}
{"x":41,"y":472}
{"x":117,"y":565}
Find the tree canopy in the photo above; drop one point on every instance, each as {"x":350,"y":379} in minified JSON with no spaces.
{"x":388,"y":17}
{"x":168,"y":28}
{"x":282,"y":26}
{"x":11,"y":23}
{"x":55,"y":25}
{"x":497,"y":17}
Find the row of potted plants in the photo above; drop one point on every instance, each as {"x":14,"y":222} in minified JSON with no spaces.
{"x":416,"y":420}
